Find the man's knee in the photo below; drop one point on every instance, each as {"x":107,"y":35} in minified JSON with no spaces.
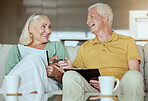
{"x":132,"y":83}
{"x":133,"y":76}
{"x":69,"y":75}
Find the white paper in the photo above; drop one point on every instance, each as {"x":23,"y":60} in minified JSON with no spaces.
{"x":24,"y":51}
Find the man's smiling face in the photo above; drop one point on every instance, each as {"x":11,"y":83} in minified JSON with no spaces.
{"x":94,"y":20}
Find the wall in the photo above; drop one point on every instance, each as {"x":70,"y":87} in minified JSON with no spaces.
{"x":65,"y":15}
{"x":12,"y":20}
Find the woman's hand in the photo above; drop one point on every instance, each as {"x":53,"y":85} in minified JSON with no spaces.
{"x":54,"y":71}
{"x":53,"y":58}
{"x":65,"y":65}
{"x":95,"y":83}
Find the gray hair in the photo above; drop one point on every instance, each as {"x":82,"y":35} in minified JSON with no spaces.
{"x":25,"y":38}
{"x":103,"y":9}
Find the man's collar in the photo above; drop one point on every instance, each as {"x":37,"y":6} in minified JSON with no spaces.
{"x":113,"y":37}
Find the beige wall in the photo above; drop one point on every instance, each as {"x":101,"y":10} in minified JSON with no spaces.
{"x":11,"y":20}
{"x":65,"y":15}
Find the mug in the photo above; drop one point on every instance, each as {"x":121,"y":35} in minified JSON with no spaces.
{"x":107,"y":99}
{"x":107,"y":84}
{"x":12,"y":98}
{"x":12,"y":84}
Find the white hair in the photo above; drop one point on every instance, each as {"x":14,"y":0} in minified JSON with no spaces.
{"x":103,"y":9}
{"x":25,"y":38}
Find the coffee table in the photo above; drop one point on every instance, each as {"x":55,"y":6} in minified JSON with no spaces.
{"x":58,"y":96}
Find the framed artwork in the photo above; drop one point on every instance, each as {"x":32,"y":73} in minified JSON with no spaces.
{"x":138,"y":24}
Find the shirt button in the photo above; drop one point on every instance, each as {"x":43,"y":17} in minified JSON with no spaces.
{"x":103,"y":49}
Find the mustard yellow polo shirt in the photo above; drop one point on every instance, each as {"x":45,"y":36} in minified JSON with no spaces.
{"x":111,"y":57}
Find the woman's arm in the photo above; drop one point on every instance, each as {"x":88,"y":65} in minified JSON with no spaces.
{"x":61,"y":50}
{"x":13,"y":59}
{"x":54,"y":71}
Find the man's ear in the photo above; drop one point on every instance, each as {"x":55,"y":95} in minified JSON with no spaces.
{"x":106,"y":17}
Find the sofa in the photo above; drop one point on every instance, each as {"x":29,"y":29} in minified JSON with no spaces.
{"x":72,"y":51}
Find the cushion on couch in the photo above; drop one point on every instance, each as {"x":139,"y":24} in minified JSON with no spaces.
{"x":145,"y":47}
{"x":4,"y":50}
{"x":72,"y":51}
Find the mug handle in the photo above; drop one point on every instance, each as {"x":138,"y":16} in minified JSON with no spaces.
{"x":116,"y":84}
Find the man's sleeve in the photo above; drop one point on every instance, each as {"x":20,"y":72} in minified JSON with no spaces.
{"x":132,"y":52}
{"x":79,"y":61}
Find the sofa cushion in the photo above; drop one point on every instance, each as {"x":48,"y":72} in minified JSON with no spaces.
{"x":72,"y":51}
{"x":145,"y":47}
{"x":4,"y":49}
{"x":1,"y":46}
{"x":140,"y":50}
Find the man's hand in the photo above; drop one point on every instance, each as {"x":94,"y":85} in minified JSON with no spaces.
{"x":65,"y":65}
{"x":95,"y":83}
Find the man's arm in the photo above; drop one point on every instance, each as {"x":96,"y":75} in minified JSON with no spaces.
{"x":134,"y":65}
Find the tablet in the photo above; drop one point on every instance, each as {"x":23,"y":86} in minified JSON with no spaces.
{"x":88,"y":74}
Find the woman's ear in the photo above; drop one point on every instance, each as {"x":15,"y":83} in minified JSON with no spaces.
{"x":30,"y":29}
{"x":106,"y":17}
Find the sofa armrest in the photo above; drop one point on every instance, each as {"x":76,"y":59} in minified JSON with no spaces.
{"x":4,"y":50}
{"x":72,"y":51}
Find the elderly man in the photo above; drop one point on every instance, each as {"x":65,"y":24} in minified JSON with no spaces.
{"x":113,"y":54}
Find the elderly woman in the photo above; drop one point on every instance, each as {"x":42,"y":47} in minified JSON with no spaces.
{"x":35,"y":76}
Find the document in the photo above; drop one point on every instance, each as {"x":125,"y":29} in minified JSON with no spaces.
{"x":88,"y":74}
{"x":43,"y":54}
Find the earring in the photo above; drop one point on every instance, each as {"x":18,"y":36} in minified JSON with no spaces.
{"x":30,"y":35}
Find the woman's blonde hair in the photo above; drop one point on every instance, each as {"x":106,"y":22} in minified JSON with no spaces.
{"x":103,"y":9}
{"x":25,"y":38}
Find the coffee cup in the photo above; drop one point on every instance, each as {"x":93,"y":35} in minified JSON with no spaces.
{"x":107,"y":99}
{"x":12,"y":98}
{"x":12,"y":84}
{"x":107,"y":84}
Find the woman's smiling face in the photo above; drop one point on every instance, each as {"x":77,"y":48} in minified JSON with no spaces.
{"x":40,"y":30}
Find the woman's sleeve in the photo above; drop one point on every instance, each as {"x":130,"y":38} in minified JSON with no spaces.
{"x":61,"y":50}
{"x":13,"y":59}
